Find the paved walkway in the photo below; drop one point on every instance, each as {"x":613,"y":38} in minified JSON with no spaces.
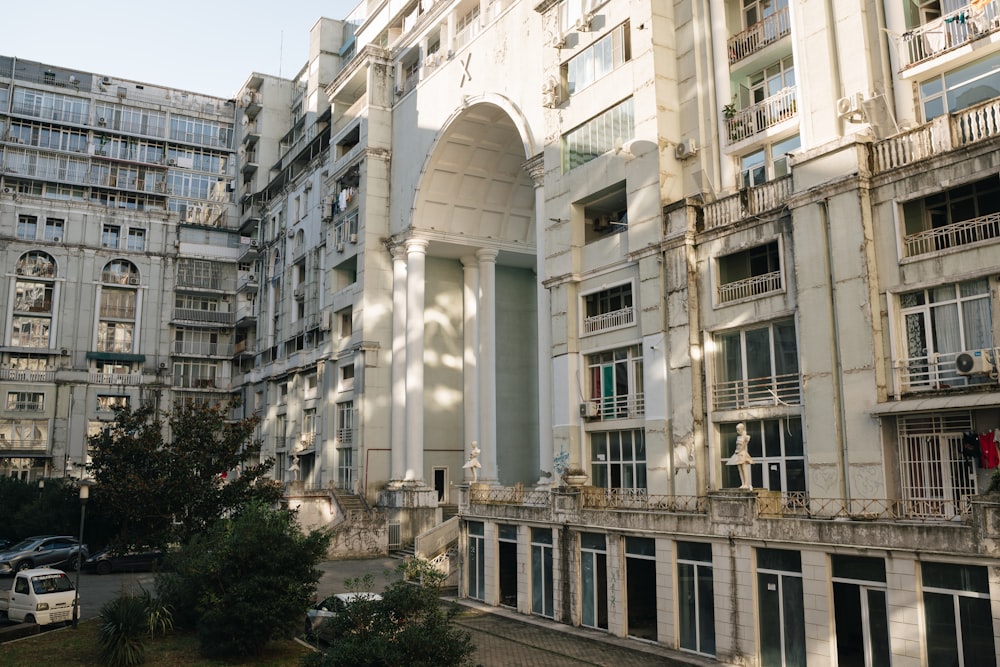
{"x":504,"y":638}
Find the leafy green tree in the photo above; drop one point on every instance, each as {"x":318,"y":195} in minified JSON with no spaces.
{"x":167,"y":477}
{"x":245,"y":581}
{"x":410,"y":626}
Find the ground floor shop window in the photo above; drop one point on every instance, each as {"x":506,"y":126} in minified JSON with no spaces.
{"x":542,"y":601}
{"x":860,"y":611}
{"x":957,"y":614}
{"x":507,"y":564}
{"x":477,"y":560}
{"x":594,"y":580}
{"x":640,"y":582}
{"x":695,"y":597}
{"x":780,"y":612}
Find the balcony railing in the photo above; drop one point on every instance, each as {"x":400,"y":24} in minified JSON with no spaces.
{"x":628,"y":406}
{"x":759,"y":35}
{"x":948,"y":32}
{"x":758,"y":117}
{"x":750,"y":287}
{"x":509,"y":495}
{"x":24,"y":445}
{"x":114,"y":346}
{"x":865,"y":509}
{"x":129,"y":379}
{"x":345,"y":436}
{"x":638,"y":500}
{"x":208,"y":316}
{"x":967,"y":232}
{"x":185,"y":382}
{"x":118,"y":312}
{"x":938,"y":371}
{"x":13,"y":375}
{"x":748,"y":202}
{"x":612,"y":320}
{"x":26,"y":406}
{"x":204,"y":348}
{"x":757,"y":392}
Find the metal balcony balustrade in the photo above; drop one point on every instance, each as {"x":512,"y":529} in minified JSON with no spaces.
{"x":202,"y":348}
{"x":33,"y":305}
{"x":127,"y":379}
{"x":759,"y":35}
{"x":24,"y":445}
{"x":626,"y":406}
{"x":187,"y":382}
{"x":26,"y":406}
{"x":967,"y":232}
{"x":345,"y":436}
{"x":756,"y":118}
{"x":945,"y":133}
{"x":16,"y":375}
{"x":118,"y":312}
{"x":748,"y":202}
{"x":750,"y":287}
{"x":865,"y":509}
{"x":936,"y":372}
{"x":948,"y":32}
{"x":33,"y":341}
{"x":611,"y":320}
{"x":48,"y":113}
{"x":205,"y":316}
{"x":757,"y":392}
{"x":115,"y":346}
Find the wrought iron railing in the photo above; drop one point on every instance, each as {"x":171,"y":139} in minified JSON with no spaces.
{"x":756,"y":118}
{"x":865,"y":509}
{"x":766,"y":391}
{"x":626,"y":406}
{"x":967,"y":232}
{"x":759,"y":35}
{"x":617,"y":318}
{"x":750,"y":287}
{"x":937,"y":371}
{"x":509,"y":495}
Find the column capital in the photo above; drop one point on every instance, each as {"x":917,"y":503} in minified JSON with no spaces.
{"x":398,"y":252}
{"x":487,"y":254}
{"x":535,"y":166}
{"x":469,"y":261}
{"x":416,"y":245}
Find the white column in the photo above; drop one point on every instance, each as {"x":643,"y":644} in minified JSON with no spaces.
{"x":471,"y":357}
{"x":416,"y":254}
{"x":397,"y":409}
{"x":487,"y":363}
{"x":536,"y":169}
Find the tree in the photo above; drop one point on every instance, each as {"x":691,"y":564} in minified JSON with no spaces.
{"x":245,"y":581}
{"x":164,"y":490}
{"x":409,"y":626}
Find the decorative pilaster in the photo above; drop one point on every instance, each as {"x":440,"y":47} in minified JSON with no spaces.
{"x":487,"y":363}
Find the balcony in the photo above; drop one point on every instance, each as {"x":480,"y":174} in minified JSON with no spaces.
{"x":754,"y":119}
{"x":965,"y":127}
{"x":118,"y":312}
{"x":247,"y":283}
{"x":948,"y":32}
{"x":611,"y":320}
{"x":939,"y":372}
{"x":26,"y":406}
{"x":23,"y":445}
{"x":203,"y":316}
{"x":185,"y":382}
{"x":627,"y":406}
{"x":748,"y":202}
{"x":125,"y":379}
{"x":244,"y":348}
{"x":249,"y":250}
{"x":202,"y":348}
{"x":865,"y":509}
{"x":749,"y":288}
{"x":966,"y":233}
{"x":114,"y":346}
{"x":759,"y":35}
{"x":757,"y":392}
{"x":13,"y":375}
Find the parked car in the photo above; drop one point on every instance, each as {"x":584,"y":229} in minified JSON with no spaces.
{"x":42,"y":595}
{"x":108,"y":561}
{"x":48,"y":550}
{"x":322,"y":611}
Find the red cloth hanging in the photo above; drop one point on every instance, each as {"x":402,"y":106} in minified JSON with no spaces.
{"x":988,"y":447}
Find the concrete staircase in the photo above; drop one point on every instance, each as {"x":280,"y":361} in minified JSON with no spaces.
{"x":403,"y":552}
{"x":349,"y":502}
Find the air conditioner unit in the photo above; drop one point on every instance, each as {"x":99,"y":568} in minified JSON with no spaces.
{"x":353,"y":238}
{"x":8,"y":191}
{"x":300,"y":291}
{"x":57,"y":239}
{"x":685,"y":149}
{"x":583,"y":23}
{"x":20,"y":271}
{"x":64,"y":352}
{"x":850,"y":106}
{"x":163,"y":365}
{"x":559,"y":42}
{"x":254,"y":243}
{"x":340,"y":247}
{"x":550,"y":93}
{"x":133,"y":281}
{"x":308,"y":185}
{"x":106,"y":80}
{"x":102,"y":121}
{"x":171,"y":162}
{"x":326,"y":320}
{"x":251,"y":278}
{"x":975,"y":362}
{"x":588,"y":409}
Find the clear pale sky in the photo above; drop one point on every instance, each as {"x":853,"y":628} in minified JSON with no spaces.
{"x":203,"y":46}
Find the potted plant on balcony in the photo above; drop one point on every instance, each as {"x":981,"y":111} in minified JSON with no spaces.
{"x":575,"y":476}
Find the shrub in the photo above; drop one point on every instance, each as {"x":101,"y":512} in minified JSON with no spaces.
{"x":123,"y":625}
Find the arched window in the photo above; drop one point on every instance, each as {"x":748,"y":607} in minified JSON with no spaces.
{"x":120,"y":272}
{"x":37,"y":264}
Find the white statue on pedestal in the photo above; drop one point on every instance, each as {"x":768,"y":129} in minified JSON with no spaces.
{"x":473,"y":462}
{"x":741,"y":457}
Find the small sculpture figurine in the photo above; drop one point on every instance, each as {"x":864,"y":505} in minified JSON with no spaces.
{"x":741,"y":458}
{"x":473,"y":462}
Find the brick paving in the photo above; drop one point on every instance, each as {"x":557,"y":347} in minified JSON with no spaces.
{"x":504,"y":638}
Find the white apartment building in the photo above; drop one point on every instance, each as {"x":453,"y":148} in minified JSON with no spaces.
{"x":601,"y":235}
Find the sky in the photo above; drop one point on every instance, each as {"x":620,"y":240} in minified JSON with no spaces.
{"x":202,"y":46}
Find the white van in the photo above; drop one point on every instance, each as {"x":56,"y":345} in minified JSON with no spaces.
{"x":41,"y":596}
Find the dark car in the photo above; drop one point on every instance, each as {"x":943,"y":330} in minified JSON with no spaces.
{"x":321,"y":612}
{"x":59,"y":551}
{"x":108,"y":561}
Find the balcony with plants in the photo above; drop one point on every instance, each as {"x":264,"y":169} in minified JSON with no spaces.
{"x":940,"y":33}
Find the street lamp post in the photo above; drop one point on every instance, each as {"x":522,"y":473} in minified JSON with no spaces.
{"x":84,"y":495}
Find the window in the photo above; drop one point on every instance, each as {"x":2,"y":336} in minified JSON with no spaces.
{"x":778,"y":454}
{"x":308,"y":427}
{"x":756,"y":366}
{"x":111,"y":236}
{"x":346,"y":323}
{"x":608,"y":309}
{"x":32,"y":297}
{"x":640,"y":573}
{"x":30,"y":332}
{"x":477,"y":560}
{"x":779,"y":605}
{"x":937,"y":480}
{"x":961,"y":88}
{"x":696,"y":598}
{"x":542,"y":599}
{"x":27,"y":227}
{"x":27,"y":435}
{"x":53,"y":230}
{"x":345,"y":469}
{"x":345,"y":422}
{"x":120,"y":272}
{"x":860,"y":611}
{"x":598,"y":136}
{"x":938,"y":324}
{"x":594,"y":581}
{"x":957,"y":615}
{"x":195,"y":374}
{"x":618,"y":459}
{"x":115,"y":337}
{"x":467,"y":27}
{"x":347,"y":377}
{"x":136,"y":240}
{"x":597,"y":60}
{"x":956,"y":217}
{"x":507,"y":564}
{"x":616,"y":390}
{"x":750,"y":273}
{"x":25,"y":401}
{"x":767,"y":164}
{"x":111,"y":403}
{"x":310,"y":385}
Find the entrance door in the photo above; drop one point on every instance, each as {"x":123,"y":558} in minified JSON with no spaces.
{"x":441,"y":484}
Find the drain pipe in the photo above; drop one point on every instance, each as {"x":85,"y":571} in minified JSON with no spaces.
{"x":838,"y":367}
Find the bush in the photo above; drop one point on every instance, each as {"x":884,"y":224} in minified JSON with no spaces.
{"x":123,"y":625}
{"x":245,"y":581}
